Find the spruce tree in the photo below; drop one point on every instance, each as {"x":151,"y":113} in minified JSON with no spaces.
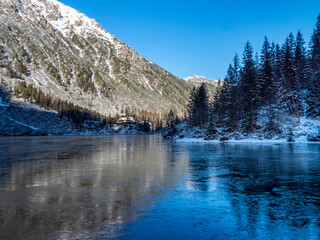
{"x":313,"y":101}
{"x":202,"y":105}
{"x":170,"y":123}
{"x":300,"y":62}
{"x":198,"y":106}
{"x":170,"y":118}
{"x":236,"y":68}
{"x":219,"y":107}
{"x":267,"y":87}
{"x":191,"y":107}
{"x":248,"y":88}
{"x":226,"y":100}
{"x":288,"y":77}
{"x":276,"y":54}
{"x":231,"y":98}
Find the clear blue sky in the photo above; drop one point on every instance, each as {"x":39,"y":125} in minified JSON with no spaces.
{"x":199,"y":37}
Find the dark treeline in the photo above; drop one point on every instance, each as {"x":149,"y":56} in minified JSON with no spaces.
{"x":81,"y":115}
{"x":78,"y":115}
{"x":284,"y":80}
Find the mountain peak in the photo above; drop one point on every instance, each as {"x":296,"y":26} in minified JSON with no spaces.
{"x":201,"y":79}
{"x":64,"y":18}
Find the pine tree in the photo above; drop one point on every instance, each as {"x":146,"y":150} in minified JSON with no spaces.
{"x":236,"y":68}
{"x":218,"y":107}
{"x":300,"y":62}
{"x":212,"y":118}
{"x":170,"y":118}
{"x":231,"y":98}
{"x":202,"y":105}
{"x":267,"y":81}
{"x":198,"y":106}
{"x":289,"y":80}
{"x":170,"y":123}
{"x":248,"y":88}
{"x":191,"y":107}
{"x":276,"y":62}
{"x":276,"y":54}
{"x":313,"y":101}
{"x":226,"y":103}
{"x":266,"y":84}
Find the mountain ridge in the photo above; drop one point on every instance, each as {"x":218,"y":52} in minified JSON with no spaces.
{"x":69,"y":56}
{"x":201,"y":79}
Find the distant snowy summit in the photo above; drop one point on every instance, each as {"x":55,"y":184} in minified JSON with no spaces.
{"x":201,"y":79}
{"x":67,"y":20}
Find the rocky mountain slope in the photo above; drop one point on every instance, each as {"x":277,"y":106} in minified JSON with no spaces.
{"x":70,"y":57}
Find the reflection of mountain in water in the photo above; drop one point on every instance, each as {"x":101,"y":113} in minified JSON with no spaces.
{"x":78,"y":187}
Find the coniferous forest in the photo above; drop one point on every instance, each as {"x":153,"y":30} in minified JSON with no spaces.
{"x":263,"y":89}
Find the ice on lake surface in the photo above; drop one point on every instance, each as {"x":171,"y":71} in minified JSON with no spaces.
{"x":141,"y":187}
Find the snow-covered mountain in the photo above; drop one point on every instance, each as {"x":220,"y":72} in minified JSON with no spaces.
{"x":60,"y":51}
{"x":201,"y":79}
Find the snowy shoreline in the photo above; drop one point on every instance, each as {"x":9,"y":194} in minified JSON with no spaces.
{"x":248,"y":140}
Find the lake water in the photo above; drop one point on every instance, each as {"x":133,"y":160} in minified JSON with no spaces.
{"x":141,"y":187}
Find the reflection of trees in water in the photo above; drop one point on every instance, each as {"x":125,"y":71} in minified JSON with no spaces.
{"x":201,"y":166}
{"x":273,"y":186}
{"x":78,"y":186}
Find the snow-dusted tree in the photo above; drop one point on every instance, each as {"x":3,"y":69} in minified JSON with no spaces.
{"x":202,"y":105}
{"x":276,"y":55}
{"x":170,"y":123}
{"x":276,"y":62}
{"x":288,"y":77}
{"x":236,"y":68}
{"x":267,"y":82}
{"x":248,"y":89}
{"x":191,"y":107}
{"x":313,"y":109}
{"x":219,"y":104}
{"x":199,"y":106}
{"x":300,"y":61}
{"x":231,"y":116}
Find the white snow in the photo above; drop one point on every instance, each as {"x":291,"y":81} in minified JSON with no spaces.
{"x":201,"y":79}
{"x":248,"y":140}
{"x":301,"y":130}
{"x":72,"y":20}
{"x":196,"y":77}
{"x":23,"y":124}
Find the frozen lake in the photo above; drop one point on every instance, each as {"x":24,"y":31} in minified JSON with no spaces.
{"x":141,"y":187}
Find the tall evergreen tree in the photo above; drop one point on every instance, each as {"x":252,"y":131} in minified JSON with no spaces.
{"x":231,"y":97}
{"x":276,"y":55}
{"x":267,"y":87}
{"x":266,"y":83}
{"x":288,"y":77}
{"x":276,"y":63}
{"x":202,"y":105}
{"x":219,"y":103}
{"x":300,"y":62}
{"x":170,"y":123}
{"x":313,"y":109}
{"x":236,"y":68}
{"x":248,"y":88}
{"x":191,"y":107}
{"x":199,"y":106}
